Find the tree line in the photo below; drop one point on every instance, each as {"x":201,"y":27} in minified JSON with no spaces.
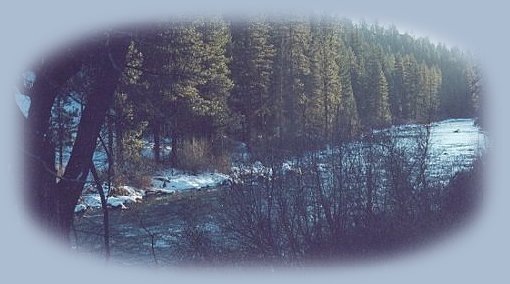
{"x":293,"y":83}
{"x":278,"y":85}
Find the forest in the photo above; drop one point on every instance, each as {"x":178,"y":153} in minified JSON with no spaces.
{"x":302,"y":115}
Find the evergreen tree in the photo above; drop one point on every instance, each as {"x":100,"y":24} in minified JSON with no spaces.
{"x":252,"y":67}
{"x":210,"y":105}
{"x":397,"y":90}
{"x":381,"y":107}
{"x":376,"y":99}
{"x":474,"y":78}
{"x":326,"y":88}
{"x":292,"y":70}
{"x":173,"y":70}
{"x":427,"y":99}
{"x":347,"y":125}
{"x":411,"y":87}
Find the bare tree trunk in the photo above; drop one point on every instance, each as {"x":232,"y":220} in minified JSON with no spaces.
{"x":39,"y":151}
{"x":61,"y":130}
{"x":104,"y":206}
{"x":175,"y":145}
{"x":110,"y":153}
{"x":156,"y":131}
{"x":54,"y":199}
{"x":111,"y":56}
{"x":119,"y":142}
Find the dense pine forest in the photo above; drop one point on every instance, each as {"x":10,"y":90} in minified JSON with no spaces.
{"x":307,"y":81}
{"x":265,"y":82}
{"x":314,"y":105}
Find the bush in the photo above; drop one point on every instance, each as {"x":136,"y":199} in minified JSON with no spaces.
{"x":137,"y":173}
{"x":196,"y":155}
{"x":367,"y":199}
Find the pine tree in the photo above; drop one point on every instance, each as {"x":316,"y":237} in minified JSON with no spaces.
{"x":173,"y":55}
{"x":474,"y":79}
{"x":326,"y":88}
{"x":397,"y":90}
{"x":381,"y":107}
{"x":410,"y":87}
{"x":292,"y":70}
{"x":252,"y":67}
{"x":358,"y":82}
{"x":347,"y":124}
{"x":427,"y":99}
{"x":376,"y":99}
{"x":210,"y":106}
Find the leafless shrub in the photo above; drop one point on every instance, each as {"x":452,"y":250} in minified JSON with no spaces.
{"x":196,"y":155}
{"x":193,"y":242}
{"x":137,"y":173}
{"x":360,"y":198}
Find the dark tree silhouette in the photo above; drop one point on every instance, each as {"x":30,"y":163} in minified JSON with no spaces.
{"x":52,"y":196}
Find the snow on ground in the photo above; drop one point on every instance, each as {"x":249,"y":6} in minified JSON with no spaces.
{"x":454,"y":145}
{"x":169,"y":181}
{"x":92,"y":199}
{"x":254,"y":169}
{"x":172,"y":180}
{"x":454,"y":142}
{"x":456,"y":137}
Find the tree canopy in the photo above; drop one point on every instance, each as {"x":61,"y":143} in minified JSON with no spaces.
{"x":286,"y":84}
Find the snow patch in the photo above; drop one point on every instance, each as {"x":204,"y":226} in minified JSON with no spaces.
{"x":167,"y":182}
{"x":80,"y":208}
{"x":93,"y":200}
{"x":172,"y":180}
{"x":23,"y":103}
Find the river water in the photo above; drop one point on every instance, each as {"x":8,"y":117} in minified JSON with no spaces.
{"x":159,"y":230}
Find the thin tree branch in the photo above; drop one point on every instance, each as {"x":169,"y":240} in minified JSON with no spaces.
{"x":104,"y":206}
{"x":50,"y":171}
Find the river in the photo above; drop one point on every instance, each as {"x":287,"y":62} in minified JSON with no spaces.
{"x":160,"y":229}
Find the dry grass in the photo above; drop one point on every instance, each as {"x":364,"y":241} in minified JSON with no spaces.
{"x":196,"y":155}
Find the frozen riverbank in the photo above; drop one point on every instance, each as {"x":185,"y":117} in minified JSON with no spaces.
{"x":454,"y":145}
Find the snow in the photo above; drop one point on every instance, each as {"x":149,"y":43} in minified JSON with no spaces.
{"x":166,"y":182}
{"x":256,"y":169}
{"x":459,"y":137}
{"x":92,"y":199}
{"x":172,"y":180}
{"x":454,"y":144}
{"x":23,"y":103}
{"x":80,"y":208}
{"x":452,"y":136}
